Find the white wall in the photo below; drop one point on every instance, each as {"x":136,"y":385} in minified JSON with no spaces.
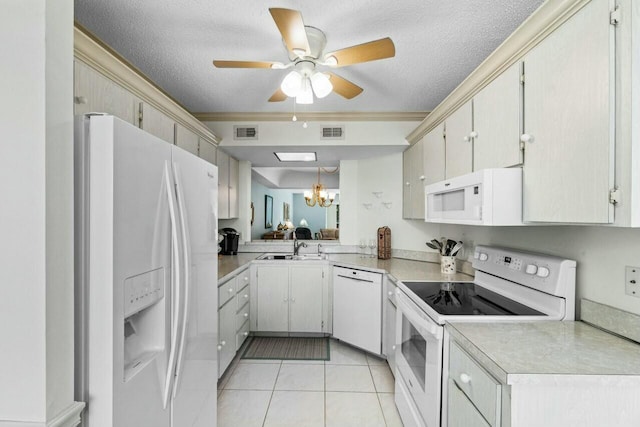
{"x":36,"y":221}
{"x":601,"y":252}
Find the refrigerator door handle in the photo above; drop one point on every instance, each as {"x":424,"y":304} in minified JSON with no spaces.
{"x":175,"y":288}
{"x":186,"y":256}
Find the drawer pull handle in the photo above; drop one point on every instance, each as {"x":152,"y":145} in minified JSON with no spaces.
{"x":223,"y":343}
{"x":230,"y":290}
{"x":246,"y":334}
{"x":246,"y":295}
{"x":246,"y":315}
{"x":219,"y":347}
{"x":465,"y":378}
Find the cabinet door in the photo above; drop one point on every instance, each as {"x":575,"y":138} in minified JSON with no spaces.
{"x":207,"y":151}
{"x":227,"y":334}
{"x":433,"y":156}
{"x":496,"y":122}
{"x":186,"y":139}
{"x":461,"y":412}
{"x":156,"y":123}
{"x":94,"y":93}
{"x":568,"y":105}
{"x":406,"y":184}
{"x":223,"y":185}
{"x":417,"y":180}
{"x":459,"y":144}
{"x":272,"y":298}
{"x":389,"y":330}
{"x":305,"y":298}
{"x":233,"y":187}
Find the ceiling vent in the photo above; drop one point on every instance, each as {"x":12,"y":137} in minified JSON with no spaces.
{"x":332,"y":132}
{"x":245,"y":132}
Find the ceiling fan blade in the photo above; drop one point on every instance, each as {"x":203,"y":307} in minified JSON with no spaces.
{"x":244,"y":64}
{"x":344,"y":87}
{"x":291,"y":27}
{"x":371,"y":51}
{"x":278,"y":96}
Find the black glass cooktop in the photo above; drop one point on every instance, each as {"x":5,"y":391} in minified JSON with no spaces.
{"x":467,"y":299}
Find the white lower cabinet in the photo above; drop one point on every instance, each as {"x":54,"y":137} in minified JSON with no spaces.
{"x":290,"y":297}
{"x":462,"y":413}
{"x":233,"y":317}
{"x":389,"y":328}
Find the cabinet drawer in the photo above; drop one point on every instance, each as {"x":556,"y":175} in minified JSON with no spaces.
{"x":226,"y":291}
{"x":242,"y":335}
{"x":243,"y":297}
{"x":242,"y":280}
{"x":462,"y":413}
{"x":481,"y":389}
{"x":242,"y":316}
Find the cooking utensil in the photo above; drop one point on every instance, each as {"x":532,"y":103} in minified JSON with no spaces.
{"x":432,"y":246}
{"x":456,"y":248}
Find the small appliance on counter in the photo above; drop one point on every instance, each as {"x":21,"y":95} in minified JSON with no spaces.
{"x":229,"y":242}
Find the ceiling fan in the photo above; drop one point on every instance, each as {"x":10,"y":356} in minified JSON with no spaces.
{"x":305,"y":45}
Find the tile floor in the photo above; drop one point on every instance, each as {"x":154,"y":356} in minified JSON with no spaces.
{"x":352,"y":389}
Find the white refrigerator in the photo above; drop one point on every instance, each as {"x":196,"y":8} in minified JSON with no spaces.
{"x":146,"y":279}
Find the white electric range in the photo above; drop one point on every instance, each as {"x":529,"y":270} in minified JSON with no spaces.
{"x":509,"y":286}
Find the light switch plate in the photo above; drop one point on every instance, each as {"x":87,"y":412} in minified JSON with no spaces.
{"x":632,"y":281}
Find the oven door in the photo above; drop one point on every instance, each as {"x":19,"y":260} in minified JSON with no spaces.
{"x":419,"y":360}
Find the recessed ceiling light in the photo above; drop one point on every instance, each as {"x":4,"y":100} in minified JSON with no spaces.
{"x":296,"y":157}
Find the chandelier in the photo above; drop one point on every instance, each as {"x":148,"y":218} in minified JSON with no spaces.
{"x":319,"y":195}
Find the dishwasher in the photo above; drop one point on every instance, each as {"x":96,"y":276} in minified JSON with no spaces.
{"x":357,"y":308}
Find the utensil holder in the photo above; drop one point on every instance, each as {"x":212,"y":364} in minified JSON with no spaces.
{"x":448,"y":264}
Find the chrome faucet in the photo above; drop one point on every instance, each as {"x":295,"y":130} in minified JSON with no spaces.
{"x":296,"y":246}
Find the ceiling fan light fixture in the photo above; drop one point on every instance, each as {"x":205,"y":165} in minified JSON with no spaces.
{"x":331,"y":61}
{"x":292,"y":84}
{"x":300,"y":53}
{"x":321,"y":84}
{"x":305,"y":96}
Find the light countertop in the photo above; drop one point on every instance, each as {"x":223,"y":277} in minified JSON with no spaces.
{"x":228,"y":264}
{"x":399,"y":268}
{"x":519,"y":352}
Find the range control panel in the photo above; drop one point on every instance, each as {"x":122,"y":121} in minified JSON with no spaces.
{"x":543,"y":272}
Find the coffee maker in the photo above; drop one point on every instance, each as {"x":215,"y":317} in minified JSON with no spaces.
{"x":229,"y":244}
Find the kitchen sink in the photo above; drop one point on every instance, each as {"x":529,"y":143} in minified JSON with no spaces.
{"x":291,"y":257}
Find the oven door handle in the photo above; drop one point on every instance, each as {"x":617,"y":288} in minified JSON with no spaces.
{"x":426,"y":325}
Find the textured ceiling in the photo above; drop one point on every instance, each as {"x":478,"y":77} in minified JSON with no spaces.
{"x":438,"y":43}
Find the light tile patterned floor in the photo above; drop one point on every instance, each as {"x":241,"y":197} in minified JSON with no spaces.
{"x":352,"y":389}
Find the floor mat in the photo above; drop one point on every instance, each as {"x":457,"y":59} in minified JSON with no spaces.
{"x":288,"y":348}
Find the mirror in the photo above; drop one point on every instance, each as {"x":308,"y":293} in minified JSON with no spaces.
{"x":268,"y":212}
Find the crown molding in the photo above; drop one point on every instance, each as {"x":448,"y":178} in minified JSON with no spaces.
{"x":409,"y":116}
{"x":546,"y":19}
{"x":95,"y":53}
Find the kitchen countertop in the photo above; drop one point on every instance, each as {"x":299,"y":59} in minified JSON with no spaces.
{"x":528,"y":352}
{"x":399,"y":268}
{"x":228,"y":264}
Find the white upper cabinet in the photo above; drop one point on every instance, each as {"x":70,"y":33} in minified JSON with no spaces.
{"x":233,"y":187}
{"x":94,"y":93}
{"x":186,"y":139}
{"x":156,"y":123}
{"x":434,"y":154}
{"x":223,"y":185}
{"x":413,"y":176}
{"x":497,"y":122}
{"x":459,"y":142}
{"x":207,"y":151}
{"x":568,"y":128}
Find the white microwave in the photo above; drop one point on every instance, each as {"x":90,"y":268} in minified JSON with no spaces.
{"x":485,"y":197}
